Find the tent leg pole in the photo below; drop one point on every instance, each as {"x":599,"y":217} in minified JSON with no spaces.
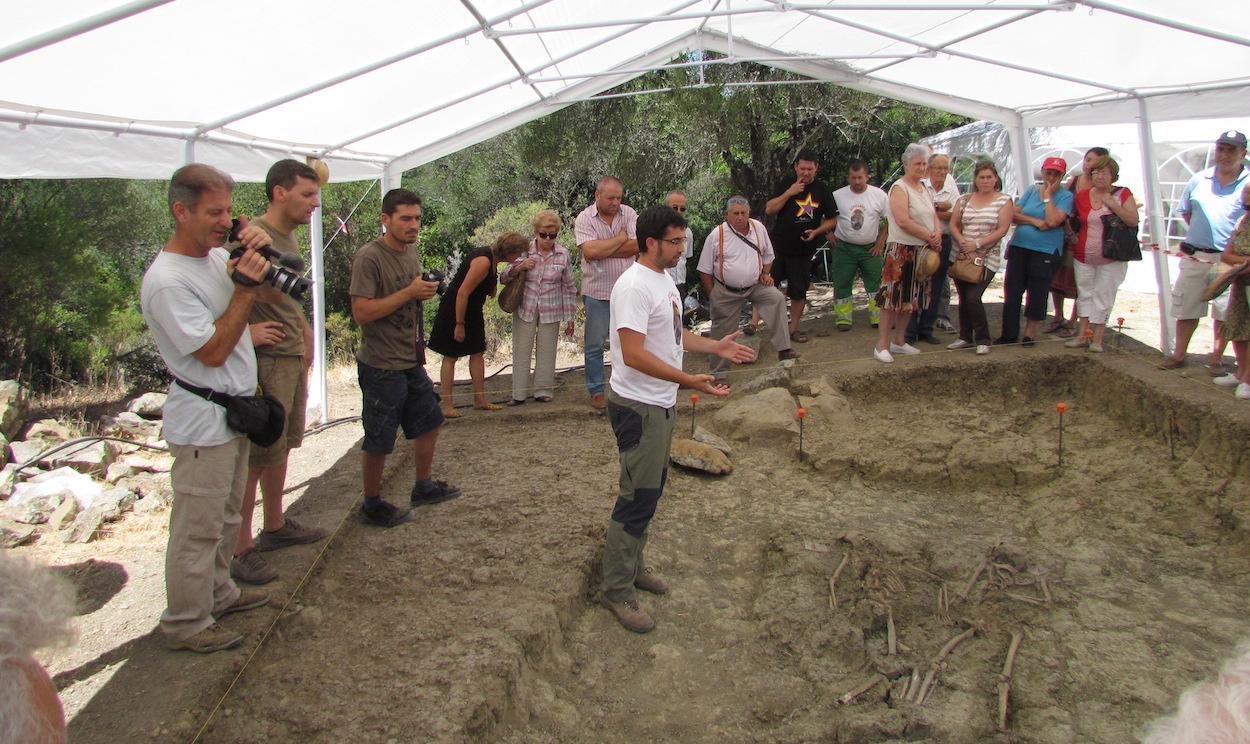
{"x":318,"y":398}
{"x":1158,"y":234}
{"x":1023,"y":156}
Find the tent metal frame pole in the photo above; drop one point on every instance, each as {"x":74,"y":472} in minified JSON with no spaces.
{"x":1166,"y":22}
{"x":729,"y":13}
{"x":319,"y":395}
{"x":82,"y":26}
{"x":964,"y":37}
{"x":1158,"y":231}
{"x":486,"y":31}
{"x":1138,"y":94}
{"x":723,"y":61}
{"x":371,"y":67}
{"x":653,"y":91}
{"x":1023,"y":153}
{"x":494,"y":86}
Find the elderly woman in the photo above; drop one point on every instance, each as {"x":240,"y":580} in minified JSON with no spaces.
{"x":978,"y":222}
{"x":1236,"y":325}
{"x":912,"y":227}
{"x":1034,"y":252}
{"x":1098,"y":278}
{"x":1063,"y":283}
{"x":548,"y":299}
{"x":460,"y":326}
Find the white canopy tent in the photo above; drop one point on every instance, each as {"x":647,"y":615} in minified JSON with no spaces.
{"x":90,"y":88}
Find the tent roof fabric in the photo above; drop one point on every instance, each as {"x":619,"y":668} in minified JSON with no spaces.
{"x":94,"y":88}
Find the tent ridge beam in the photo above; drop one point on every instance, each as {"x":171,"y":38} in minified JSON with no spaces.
{"x":371,"y":67}
{"x":82,"y":26}
{"x":1144,"y":94}
{"x":1166,"y":22}
{"x":724,"y":61}
{"x":486,"y":32}
{"x":486,"y":89}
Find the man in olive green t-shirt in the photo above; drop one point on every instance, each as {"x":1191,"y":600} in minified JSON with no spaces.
{"x":284,"y":346}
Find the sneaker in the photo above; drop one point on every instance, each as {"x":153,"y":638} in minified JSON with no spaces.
{"x":882,"y":355}
{"x":290,"y":533}
{"x":251,"y":568}
{"x":904,"y":349}
{"x":1095,"y":348}
{"x":249,"y":599}
{"x":983,"y":349}
{"x":381,"y":513}
{"x":1076,"y":343}
{"x":945,"y":326}
{"x":1028,"y":342}
{"x":598,"y":401}
{"x":843,"y":327}
{"x":785,"y":354}
{"x":1242,"y":392}
{"x":630,"y":614}
{"x":649,"y":581}
{"x":1228,"y":380}
{"x":213,"y":638}
{"x":429,"y":492}
{"x":960,"y":344}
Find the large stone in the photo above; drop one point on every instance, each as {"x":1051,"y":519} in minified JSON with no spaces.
{"x":773,"y":377}
{"x":826,"y":406}
{"x":115,"y":502}
{"x":13,"y":534}
{"x":85,"y":527}
{"x":148,"y":405}
{"x":117,"y":471}
{"x":12,"y":408}
{"x":4,"y":450}
{"x":50,"y":431}
{"x":64,"y":514}
{"x":129,"y":425}
{"x":36,"y":510}
{"x":707,"y":437}
{"x":92,"y":458}
{"x":699,"y":456}
{"x":767,"y":416}
{"x":21,"y":453}
{"x":149,"y":462}
{"x":150,"y":486}
{"x":83,"y":487}
{"x":8,"y":480}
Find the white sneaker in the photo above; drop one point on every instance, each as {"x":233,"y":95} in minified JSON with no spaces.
{"x":983,"y":349}
{"x":960,"y":344}
{"x":882,"y":355}
{"x":904,"y":349}
{"x":945,"y":326}
{"x":1228,"y":380}
{"x":1243,"y":391}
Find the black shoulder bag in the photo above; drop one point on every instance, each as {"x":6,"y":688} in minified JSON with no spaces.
{"x":1119,"y":241}
{"x":261,"y":417}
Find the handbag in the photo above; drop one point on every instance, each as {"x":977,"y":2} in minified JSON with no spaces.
{"x":1119,"y":241}
{"x":261,"y":417}
{"x":969,"y":269}
{"x":512,"y":293}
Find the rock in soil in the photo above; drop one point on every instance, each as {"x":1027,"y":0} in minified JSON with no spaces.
{"x":13,"y":534}
{"x":698,"y":456}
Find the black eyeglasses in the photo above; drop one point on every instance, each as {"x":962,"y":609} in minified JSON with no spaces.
{"x":547,"y":235}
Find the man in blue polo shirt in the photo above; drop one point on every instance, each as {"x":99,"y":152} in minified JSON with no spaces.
{"x":1211,"y":205}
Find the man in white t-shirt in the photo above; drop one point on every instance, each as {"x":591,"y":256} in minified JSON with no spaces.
{"x":648,"y":341}
{"x":196,"y":301}
{"x":859,"y":241}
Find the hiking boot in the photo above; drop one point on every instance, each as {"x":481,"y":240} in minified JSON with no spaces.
{"x":290,"y":533}
{"x":249,"y":599}
{"x":432,"y":492}
{"x":213,"y":638}
{"x":785,"y":354}
{"x":630,"y":614}
{"x":381,"y":513}
{"x":251,"y":568}
{"x":649,"y":581}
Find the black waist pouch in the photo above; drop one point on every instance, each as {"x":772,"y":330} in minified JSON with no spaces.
{"x":261,"y":417}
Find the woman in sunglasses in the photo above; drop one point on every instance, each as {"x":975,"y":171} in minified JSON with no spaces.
{"x":549,"y":300}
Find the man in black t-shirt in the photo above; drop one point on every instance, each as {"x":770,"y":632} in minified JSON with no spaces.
{"x":804,"y":211}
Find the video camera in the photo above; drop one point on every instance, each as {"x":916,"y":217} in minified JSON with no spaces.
{"x":284,"y":273}
{"x":434,"y":275}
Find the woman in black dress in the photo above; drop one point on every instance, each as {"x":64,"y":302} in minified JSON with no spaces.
{"x":460,"y":327}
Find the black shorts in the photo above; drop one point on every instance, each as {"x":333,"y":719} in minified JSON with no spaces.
{"x":796,"y":270}
{"x":395,"y":398}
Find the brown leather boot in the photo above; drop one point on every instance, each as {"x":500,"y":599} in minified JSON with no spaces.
{"x":649,"y":581}
{"x":630,"y":614}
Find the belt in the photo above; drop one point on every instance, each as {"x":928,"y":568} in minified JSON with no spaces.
{"x":1188,"y":249}
{"x":734,"y":289}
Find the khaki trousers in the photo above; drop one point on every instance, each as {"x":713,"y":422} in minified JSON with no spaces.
{"x":524,"y":334}
{"x":725,"y":308}
{"x":203,"y":529}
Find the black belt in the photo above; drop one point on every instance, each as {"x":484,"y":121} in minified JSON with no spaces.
{"x":733,"y":289}
{"x":1189,"y":250}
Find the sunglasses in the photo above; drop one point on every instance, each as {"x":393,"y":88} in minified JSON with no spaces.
{"x":547,"y":235}
{"x":679,"y":209}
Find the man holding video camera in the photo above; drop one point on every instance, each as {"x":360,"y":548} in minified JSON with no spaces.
{"x":387,"y":289}
{"x":196,"y":300}
{"x":284,"y":344}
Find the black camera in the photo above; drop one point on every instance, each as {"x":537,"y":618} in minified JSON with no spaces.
{"x":284,"y":272}
{"x":434,"y":275}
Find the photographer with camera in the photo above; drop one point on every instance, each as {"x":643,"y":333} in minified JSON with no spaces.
{"x":196,"y":300}
{"x":387,"y":290}
{"x":284,"y":344}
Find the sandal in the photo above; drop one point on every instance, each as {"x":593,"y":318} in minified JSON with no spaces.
{"x":799,"y":337}
{"x":1056,"y":326}
{"x":453,"y":413}
{"x":1065,"y":332}
{"x":543,"y":398}
{"x":1170,"y":363}
{"x":515,"y":402}
{"x":488,"y":407}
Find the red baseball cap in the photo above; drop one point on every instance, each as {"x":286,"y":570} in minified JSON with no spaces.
{"x":1055,"y":164}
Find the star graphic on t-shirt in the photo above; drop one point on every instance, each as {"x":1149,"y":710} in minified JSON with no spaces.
{"x":807,"y":207}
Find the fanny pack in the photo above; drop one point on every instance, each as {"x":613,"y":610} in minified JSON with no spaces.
{"x":261,"y":417}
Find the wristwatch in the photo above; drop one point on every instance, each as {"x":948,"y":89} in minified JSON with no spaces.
{"x":1045,"y":201}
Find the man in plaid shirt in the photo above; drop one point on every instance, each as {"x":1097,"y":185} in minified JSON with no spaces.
{"x":605,"y":236}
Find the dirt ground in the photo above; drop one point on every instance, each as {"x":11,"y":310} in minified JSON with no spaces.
{"x":476,"y":621}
